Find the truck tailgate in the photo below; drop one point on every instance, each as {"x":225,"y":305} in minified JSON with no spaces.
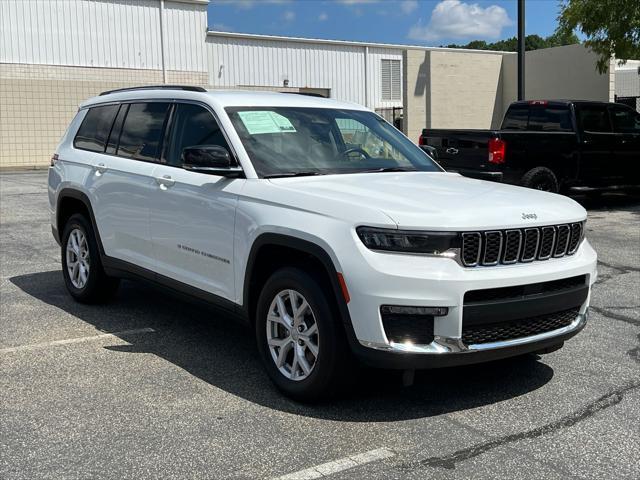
{"x":460,"y":149}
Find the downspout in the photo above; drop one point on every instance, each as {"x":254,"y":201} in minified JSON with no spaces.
{"x":162,"y":45}
{"x":366,"y":76}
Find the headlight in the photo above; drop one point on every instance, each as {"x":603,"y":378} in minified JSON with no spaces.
{"x":408,"y":241}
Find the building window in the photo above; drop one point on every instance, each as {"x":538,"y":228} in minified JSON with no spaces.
{"x":391,"y":81}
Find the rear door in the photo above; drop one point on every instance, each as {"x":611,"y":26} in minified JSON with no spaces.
{"x":121,"y":183}
{"x":193,"y":214}
{"x":596,"y":145}
{"x":551,"y":140}
{"x":626,"y":128}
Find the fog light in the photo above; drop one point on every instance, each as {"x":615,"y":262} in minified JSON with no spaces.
{"x":403,"y":310}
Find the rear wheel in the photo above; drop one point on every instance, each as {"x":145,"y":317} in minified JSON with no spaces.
{"x":81,"y":266}
{"x":541,"y":178}
{"x":300,"y":341}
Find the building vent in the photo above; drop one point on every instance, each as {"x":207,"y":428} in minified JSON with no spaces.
{"x":391,"y":80}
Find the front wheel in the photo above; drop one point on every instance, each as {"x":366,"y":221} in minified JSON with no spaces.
{"x":541,"y":178}
{"x":300,"y":341}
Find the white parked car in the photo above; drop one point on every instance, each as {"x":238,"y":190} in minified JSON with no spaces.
{"x":319,"y":224}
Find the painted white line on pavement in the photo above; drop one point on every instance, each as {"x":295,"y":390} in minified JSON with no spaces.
{"x":329,"y":468}
{"x":35,"y":346}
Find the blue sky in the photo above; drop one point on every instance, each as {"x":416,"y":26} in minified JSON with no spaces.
{"x":418,"y":22}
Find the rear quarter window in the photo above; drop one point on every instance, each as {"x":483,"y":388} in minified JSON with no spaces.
{"x":550,"y":119}
{"x":95,"y":128}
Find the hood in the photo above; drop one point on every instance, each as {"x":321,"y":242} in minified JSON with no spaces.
{"x":439,"y":201}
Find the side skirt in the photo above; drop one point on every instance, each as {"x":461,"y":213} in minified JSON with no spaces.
{"x":119,"y":268}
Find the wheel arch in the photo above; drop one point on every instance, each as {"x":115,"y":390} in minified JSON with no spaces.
{"x":71,"y":201}
{"x":264,"y":258}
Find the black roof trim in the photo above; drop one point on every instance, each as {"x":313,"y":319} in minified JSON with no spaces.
{"x":188,"y":88}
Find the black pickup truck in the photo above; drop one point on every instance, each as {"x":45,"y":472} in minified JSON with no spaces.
{"x":550,"y":145}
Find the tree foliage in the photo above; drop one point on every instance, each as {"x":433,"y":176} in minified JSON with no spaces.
{"x":611,"y":27}
{"x":531,"y":42}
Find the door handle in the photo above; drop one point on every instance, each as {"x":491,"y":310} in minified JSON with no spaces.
{"x":165,"y":182}
{"x":100,"y":169}
{"x":452,"y":151}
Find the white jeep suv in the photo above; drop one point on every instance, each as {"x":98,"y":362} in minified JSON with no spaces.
{"x":320,"y":225}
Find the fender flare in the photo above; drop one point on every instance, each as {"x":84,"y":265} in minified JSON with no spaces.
{"x":82,"y":197}
{"x":305,"y":246}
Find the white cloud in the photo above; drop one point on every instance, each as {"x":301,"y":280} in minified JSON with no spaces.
{"x":456,"y":19}
{"x":221,"y":27}
{"x":323,"y":17}
{"x":289,"y":16}
{"x":408,"y":6}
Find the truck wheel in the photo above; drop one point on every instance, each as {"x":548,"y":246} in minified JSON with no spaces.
{"x":301,"y":344}
{"x":81,"y":266}
{"x":541,"y":178}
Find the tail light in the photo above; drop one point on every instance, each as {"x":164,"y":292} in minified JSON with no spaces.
{"x":497,"y":148}
{"x":422,"y":140}
{"x":54,"y":159}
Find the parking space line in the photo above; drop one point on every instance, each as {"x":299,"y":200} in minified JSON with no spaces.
{"x":340,"y":465}
{"x":35,"y":346}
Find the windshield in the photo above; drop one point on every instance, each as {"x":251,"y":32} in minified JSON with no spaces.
{"x":285,"y":141}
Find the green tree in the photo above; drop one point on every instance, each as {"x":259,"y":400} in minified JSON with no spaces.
{"x":612,"y":27}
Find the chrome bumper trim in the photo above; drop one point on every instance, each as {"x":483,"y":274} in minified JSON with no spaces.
{"x":445,"y":345}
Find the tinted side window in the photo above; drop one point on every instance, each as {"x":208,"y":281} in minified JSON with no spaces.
{"x":193,"y":125}
{"x":594,"y":119}
{"x":550,"y":119}
{"x":625,"y":120}
{"x":94,"y":131}
{"x":141,"y":136}
{"x":516,"y":118}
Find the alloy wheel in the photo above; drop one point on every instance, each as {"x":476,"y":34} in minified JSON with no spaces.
{"x":78,"y":261}
{"x":292,"y":335}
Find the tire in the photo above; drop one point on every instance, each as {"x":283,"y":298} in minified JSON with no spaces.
{"x":541,"y":178}
{"x":95,"y":286}
{"x":332,"y":362}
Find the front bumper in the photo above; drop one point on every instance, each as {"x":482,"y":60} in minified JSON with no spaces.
{"x":450,"y":352}
{"x":421,"y":281}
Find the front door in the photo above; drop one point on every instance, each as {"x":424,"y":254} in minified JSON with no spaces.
{"x":596,"y":145}
{"x":626,"y":127}
{"x":193,"y":214}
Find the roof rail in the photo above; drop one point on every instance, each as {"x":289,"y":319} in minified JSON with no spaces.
{"x":156,"y":87}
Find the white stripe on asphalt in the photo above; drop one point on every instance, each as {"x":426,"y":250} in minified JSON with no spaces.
{"x":35,"y":346}
{"x":339,"y":465}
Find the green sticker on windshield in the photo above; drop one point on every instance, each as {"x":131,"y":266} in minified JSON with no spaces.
{"x":261,"y":121}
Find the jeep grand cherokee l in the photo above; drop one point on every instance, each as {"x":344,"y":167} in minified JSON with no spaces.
{"x":319,"y":224}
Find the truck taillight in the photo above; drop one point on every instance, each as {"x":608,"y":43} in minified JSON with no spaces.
{"x":497,"y":148}
{"x":422,"y":140}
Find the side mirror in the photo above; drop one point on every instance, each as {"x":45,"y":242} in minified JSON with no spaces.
{"x":211,"y":159}
{"x":431,"y":151}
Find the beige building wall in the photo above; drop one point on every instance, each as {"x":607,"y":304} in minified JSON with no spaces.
{"x":451,"y":89}
{"x":37,"y":102}
{"x":567,"y":72}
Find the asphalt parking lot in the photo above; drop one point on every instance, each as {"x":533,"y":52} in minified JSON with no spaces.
{"x":155,"y":386}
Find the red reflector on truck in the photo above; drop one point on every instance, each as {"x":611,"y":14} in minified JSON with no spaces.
{"x":497,"y":148}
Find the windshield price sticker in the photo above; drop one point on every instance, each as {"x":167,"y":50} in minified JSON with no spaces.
{"x":258,"y":122}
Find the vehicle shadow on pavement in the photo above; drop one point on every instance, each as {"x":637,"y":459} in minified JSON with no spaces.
{"x":221,"y":352}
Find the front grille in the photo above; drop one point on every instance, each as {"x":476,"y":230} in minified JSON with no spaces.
{"x":522,"y":291}
{"x":526,"y":327}
{"x":520,"y":245}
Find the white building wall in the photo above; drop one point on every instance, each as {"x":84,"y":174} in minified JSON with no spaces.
{"x":240,"y":61}
{"x":97,"y":33}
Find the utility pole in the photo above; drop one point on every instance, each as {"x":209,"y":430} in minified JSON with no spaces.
{"x":520,"y":49}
